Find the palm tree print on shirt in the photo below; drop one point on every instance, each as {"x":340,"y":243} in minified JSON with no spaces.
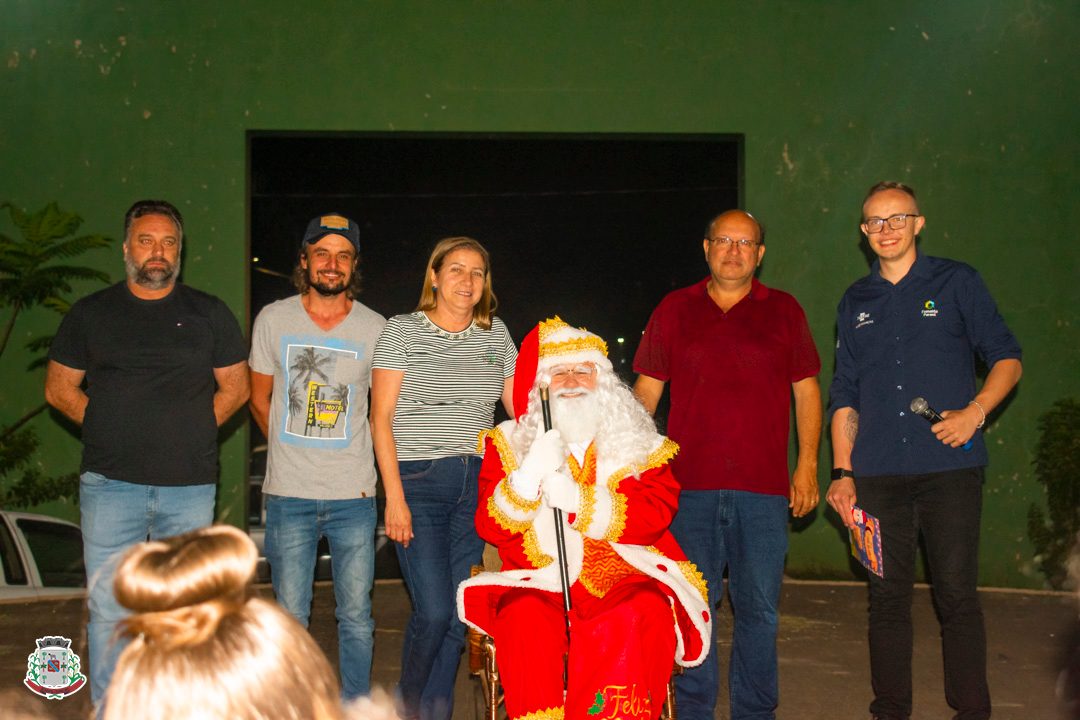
{"x":320,"y":381}
{"x":308,"y":365}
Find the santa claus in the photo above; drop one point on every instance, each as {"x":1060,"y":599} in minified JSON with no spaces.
{"x":637,"y":604}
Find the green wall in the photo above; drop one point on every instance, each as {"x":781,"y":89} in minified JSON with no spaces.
{"x":972,"y":102}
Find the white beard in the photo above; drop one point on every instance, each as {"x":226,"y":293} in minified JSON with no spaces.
{"x":576,"y":418}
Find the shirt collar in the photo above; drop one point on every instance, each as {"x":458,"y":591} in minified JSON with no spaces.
{"x":920,"y":268}
{"x":578,"y":450}
{"x":758,"y":291}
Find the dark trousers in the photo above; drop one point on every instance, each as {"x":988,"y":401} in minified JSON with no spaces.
{"x":946,"y":508}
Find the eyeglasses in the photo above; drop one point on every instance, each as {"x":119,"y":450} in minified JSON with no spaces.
{"x":725,"y":242}
{"x":896,"y":222}
{"x":582,"y":371}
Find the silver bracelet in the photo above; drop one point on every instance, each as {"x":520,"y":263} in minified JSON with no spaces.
{"x":977,"y":404}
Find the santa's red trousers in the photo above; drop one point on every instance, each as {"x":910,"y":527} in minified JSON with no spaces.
{"x":621,"y":651}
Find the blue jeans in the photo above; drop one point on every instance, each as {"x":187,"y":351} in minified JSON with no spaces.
{"x":946,"y":508}
{"x":442,"y":497}
{"x":293,"y":528}
{"x":746,"y":533}
{"x":116,"y":515}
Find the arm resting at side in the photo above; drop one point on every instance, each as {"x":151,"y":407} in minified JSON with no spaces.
{"x":232,"y":391}
{"x":63,"y":390}
{"x":648,"y":391}
{"x":804,"y":483}
{"x":262,"y":390}
{"x":508,"y":396}
{"x":385,"y":389}
{"x":841,"y":493}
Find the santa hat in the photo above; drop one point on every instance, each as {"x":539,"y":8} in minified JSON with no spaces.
{"x":551,"y":343}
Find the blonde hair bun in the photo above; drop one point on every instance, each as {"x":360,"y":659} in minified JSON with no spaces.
{"x":182,"y":587}
{"x":203,"y":647}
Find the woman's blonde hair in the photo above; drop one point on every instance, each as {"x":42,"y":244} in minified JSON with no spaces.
{"x":485,"y":309}
{"x":203,"y":647}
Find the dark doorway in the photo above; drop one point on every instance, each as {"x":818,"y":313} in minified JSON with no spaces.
{"x":594,"y":228}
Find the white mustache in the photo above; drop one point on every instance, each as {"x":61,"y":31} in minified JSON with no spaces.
{"x":579,"y":391}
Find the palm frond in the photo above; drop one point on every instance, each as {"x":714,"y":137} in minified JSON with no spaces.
{"x":41,"y":342}
{"x":57,"y":304}
{"x":51,"y":223}
{"x":74,"y":246}
{"x":18,"y":216}
{"x":70,"y":272}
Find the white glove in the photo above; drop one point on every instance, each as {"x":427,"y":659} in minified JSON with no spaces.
{"x":547,"y":454}
{"x":560,"y":491}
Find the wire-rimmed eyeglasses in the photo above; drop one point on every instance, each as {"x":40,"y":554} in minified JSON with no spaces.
{"x":725,"y":242}
{"x":581,"y":371}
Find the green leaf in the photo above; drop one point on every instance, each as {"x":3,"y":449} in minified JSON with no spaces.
{"x":16,"y":450}
{"x":18,"y":216}
{"x":598,"y":705}
{"x":41,"y":342}
{"x":75,"y":246}
{"x":51,"y":223}
{"x":57,"y":304}
{"x":30,"y":275}
{"x":1057,"y":468}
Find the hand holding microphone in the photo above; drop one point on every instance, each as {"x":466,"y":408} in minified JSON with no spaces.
{"x":919,"y":406}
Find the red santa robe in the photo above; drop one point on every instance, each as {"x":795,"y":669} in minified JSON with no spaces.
{"x":638,"y":603}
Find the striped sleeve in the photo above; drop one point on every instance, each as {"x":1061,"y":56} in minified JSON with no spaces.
{"x":509,"y":350}
{"x":390,"y":351}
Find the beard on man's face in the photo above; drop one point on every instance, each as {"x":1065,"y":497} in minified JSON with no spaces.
{"x":576,"y":418}
{"x":328,"y":283}
{"x":156,"y":277}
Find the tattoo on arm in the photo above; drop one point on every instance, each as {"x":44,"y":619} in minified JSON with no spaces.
{"x":851,"y":425}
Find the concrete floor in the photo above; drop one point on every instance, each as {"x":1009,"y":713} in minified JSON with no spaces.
{"x":822,"y":645}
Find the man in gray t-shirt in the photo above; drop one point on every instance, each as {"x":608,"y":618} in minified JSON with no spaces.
{"x":310,"y":373}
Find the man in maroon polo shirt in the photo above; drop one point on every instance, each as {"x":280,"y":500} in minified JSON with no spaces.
{"x":735,"y":351}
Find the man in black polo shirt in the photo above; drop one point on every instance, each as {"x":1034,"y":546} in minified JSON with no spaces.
{"x":163,"y":365}
{"x":912,"y":328}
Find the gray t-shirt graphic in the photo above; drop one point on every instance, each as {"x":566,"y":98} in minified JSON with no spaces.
{"x":319,"y":438}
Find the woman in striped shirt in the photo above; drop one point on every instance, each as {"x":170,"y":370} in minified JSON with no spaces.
{"x":436,"y":375}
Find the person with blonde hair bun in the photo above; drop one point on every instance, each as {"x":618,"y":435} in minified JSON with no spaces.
{"x":202,"y":646}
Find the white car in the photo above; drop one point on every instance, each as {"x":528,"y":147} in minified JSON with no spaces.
{"x":40,"y":556}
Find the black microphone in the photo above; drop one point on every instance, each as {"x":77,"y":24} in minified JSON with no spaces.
{"x":920,"y":407}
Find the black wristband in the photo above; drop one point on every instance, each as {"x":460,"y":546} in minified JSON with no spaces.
{"x":838,"y":473}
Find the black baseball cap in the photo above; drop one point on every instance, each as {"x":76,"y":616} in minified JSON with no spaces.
{"x":332,"y":224}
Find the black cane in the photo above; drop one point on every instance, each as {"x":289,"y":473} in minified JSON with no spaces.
{"x":560,"y":537}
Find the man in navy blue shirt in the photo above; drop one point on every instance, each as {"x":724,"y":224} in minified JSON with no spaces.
{"x":913,"y":328}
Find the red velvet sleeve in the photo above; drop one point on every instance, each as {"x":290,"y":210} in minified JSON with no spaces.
{"x":650,"y":503}
{"x":507,"y":536}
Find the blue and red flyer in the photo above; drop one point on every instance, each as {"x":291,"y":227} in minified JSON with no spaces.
{"x":866,"y":541}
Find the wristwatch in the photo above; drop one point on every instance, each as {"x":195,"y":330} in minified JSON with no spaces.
{"x":838,"y":473}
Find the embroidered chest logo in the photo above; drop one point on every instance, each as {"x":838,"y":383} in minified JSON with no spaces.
{"x":862,"y":319}
{"x":929,"y":309}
